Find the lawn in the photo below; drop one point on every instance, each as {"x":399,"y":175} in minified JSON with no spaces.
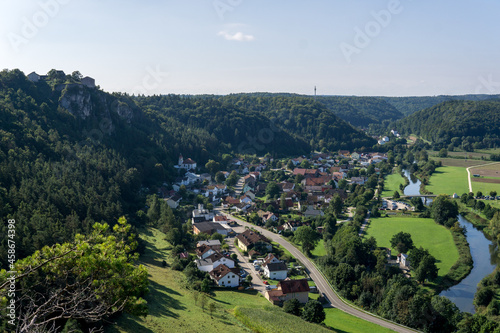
{"x":449,"y":180}
{"x":319,"y":250}
{"x":343,"y":322}
{"x":271,"y":319}
{"x":391,"y":184}
{"x":459,"y":162}
{"x":424,"y":232}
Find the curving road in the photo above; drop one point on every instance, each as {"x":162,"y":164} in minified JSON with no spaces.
{"x":321,"y":282}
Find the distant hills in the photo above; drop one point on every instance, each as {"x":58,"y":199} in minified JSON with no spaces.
{"x":470,"y":124}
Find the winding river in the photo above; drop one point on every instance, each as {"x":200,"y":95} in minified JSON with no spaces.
{"x":484,"y":255}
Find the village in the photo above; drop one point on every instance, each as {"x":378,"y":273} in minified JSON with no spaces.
{"x":280,"y":202}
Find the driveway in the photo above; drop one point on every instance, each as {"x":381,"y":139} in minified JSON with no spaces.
{"x":257,"y":283}
{"x":320,"y":281}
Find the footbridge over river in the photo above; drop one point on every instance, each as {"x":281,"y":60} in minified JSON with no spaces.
{"x":413,"y":196}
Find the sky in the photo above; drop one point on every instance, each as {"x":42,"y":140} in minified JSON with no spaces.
{"x":364,"y":48}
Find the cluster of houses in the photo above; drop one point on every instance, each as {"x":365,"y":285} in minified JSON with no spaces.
{"x":220,"y":266}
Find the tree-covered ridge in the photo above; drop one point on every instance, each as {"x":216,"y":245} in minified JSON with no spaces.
{"x":411,"y":104}
{"x":474,"y":124}
{"x":305,"y":119}
{"x":361,"y":111}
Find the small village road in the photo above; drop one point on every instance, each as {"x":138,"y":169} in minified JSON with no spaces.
{"x":321,"y":282}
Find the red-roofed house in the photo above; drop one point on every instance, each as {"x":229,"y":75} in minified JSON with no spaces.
{"x":289,"y":289}
{"x":225,"y":276}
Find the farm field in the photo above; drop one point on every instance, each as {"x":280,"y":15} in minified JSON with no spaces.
{"x":391,"y":184}
{"x":489,"y":178}
{"x":424,"y":232}
{"x":449,"y":180}
{"x":459,"y":162}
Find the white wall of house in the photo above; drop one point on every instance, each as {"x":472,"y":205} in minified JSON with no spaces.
{"x":229,"y":280}
{"x":277,"y":275}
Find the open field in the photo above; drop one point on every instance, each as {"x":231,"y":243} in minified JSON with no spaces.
{"x":424,"y":232}
{"x":457,"y":162}
{"x":449,"y":180}
{"x":272,"y":319}
{"x":344,"y":322}
{"x":391,"y":184}
{"x":489,"y":178}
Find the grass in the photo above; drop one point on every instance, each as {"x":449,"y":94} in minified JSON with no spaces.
{"x":424,"y":232}
{"x":448,"y":180}
{"x":319,"y":250}
{"x":343,"y":322}
{"x":391,"y":184}
{"x":486,"y":188}
{"x":273,"y":320}
{"x":459,"y":162}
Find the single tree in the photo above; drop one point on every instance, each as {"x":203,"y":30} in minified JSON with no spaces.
{"x":402,"y":242}
{"x":443,"y":209}
{"x":292,"y":306}
{"x":307,"y":237}
{"x":396,"y":195}
{"x":313,"y":312}
{"x":272,"y":190}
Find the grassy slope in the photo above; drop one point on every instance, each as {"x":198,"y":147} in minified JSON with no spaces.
{"x":344,"y":322}
{"x":424,"y":232}
{"x":391,"y":184}
{"x":319,"y":250}
{"x":449,"y":180}
{"x":173,"y":309}
{"x":271,"y":319}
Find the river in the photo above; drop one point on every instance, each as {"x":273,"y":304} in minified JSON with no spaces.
{"x":484,"y":255}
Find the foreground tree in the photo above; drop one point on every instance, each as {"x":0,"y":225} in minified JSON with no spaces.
{"x":89,"y":279}
{"x":313,"y":312}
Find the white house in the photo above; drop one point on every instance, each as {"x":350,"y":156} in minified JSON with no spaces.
{"x":403,"y":260}
{"x":173,"y":201}
{"x":246,"y":199}
{"x":212,"y":261}
{"x":275,"y":271}
{"x":225,"y":276}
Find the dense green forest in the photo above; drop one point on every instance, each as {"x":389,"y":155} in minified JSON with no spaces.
{"x":361,"y":111}
{"x":411,"y":104}
{"x":467,"y":124}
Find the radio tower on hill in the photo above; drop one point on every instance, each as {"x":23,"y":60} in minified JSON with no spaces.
{"x":315,"y":93}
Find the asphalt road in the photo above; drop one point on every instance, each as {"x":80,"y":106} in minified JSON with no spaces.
{"x":321,"y":281}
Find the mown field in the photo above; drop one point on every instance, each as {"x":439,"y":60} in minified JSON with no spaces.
{"x":449,"y":180}
{"x":319,"y":250}
{"x":391,"y":184}
{"x":173,"y":308}
{"x":424,"y":232}
{"x":489,"y":178}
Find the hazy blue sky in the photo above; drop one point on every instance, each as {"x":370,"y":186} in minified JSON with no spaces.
{"x":393,"y":48}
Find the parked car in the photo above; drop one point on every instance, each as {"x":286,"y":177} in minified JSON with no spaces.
{"x":265,"y":282}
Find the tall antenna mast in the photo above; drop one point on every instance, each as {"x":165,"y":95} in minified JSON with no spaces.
{"x":315,"y":93}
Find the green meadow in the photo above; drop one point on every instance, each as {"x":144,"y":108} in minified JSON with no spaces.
{"x":424,"y":232}
{"x":449,"y":180}
{"x":391,"y":184}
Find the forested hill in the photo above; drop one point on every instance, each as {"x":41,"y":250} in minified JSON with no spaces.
{"x":361,"y":111}
{"x":469,"y":123}
{"x":303,"y":118}
{"x":409,"y":105}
